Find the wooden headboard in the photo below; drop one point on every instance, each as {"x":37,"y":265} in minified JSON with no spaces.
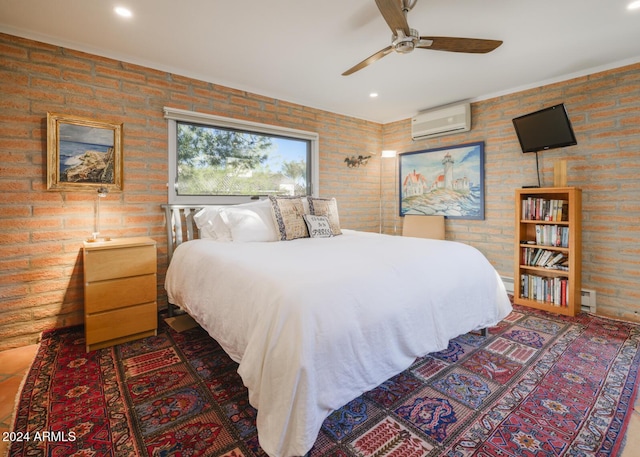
{"x":180,"y":225}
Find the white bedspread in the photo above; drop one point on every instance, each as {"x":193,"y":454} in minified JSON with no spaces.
{"x":314,"y":323}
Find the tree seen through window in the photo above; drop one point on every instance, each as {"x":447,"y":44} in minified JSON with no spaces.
{"x":219,"y":161}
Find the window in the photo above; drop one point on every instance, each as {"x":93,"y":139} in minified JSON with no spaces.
{"x":218,"y":160}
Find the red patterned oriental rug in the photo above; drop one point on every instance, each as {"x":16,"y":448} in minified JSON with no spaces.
{"x":537,"y":385}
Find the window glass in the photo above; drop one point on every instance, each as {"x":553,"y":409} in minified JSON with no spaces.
{"x":217,"y":161}
{"x":223,"y":160}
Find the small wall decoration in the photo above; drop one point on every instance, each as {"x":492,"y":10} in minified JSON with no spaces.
{"x":356,"y":161}
{"x":445,"y":181}
{"x":83,"y":154}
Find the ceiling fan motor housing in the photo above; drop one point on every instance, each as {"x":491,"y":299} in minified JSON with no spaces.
{"x":405,"y":44}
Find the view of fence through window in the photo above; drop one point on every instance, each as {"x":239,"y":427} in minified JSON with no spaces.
{"x":219,"y":161}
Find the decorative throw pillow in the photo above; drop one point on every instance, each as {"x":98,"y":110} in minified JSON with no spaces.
{"x":326,"y":207}
{"x":288,"y":215}
{"x":318,"y":226}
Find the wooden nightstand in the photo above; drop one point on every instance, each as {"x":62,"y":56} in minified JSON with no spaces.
{"x":119,"y":291}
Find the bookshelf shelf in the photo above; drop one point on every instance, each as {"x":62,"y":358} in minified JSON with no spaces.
{"x":548,"y":249}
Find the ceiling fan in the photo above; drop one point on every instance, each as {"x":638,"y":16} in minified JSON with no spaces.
{"x":406,"y":39}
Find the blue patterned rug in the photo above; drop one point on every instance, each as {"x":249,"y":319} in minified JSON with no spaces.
{"x":537,"y":385}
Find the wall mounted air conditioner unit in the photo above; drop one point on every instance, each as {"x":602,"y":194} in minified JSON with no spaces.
{"x":444,"y":120}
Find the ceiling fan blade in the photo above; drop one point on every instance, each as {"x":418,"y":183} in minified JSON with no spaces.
{"x":393,"y":15}
{"x":454,"y":44}
{"x":368,"y":61}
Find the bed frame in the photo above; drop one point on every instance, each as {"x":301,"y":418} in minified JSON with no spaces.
{"x":180,"y":228}
{"x":180,"y":225}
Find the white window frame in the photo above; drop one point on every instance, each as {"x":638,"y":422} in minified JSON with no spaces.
{"x":173,"y":115}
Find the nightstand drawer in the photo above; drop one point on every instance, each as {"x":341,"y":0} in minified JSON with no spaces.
{"x":121,"y":262}
{"x":118,"y":293}
{"x":115,"y":324}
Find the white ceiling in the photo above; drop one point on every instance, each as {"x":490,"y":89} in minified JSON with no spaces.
{"x":296,"y":50}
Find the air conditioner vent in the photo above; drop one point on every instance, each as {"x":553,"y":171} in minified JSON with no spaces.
{"x":440,"y":121}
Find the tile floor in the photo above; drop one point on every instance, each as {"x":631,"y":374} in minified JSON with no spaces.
{"x":14,"y":364}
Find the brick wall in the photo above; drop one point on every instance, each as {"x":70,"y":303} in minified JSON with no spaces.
{"x":605,"y":112}
{"x":41,"y":231}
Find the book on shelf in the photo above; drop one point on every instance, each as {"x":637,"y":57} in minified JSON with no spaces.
{"x":564,"y":266}
{"x":543,"y":289}
{"x":552,"y":235}
{"x":542,"y":209}
{"x":544,"y":258}
{"x":556,"y":259}
{"x":539,"y":257}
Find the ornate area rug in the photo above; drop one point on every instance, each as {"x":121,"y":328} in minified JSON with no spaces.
{"x":538,"y":385}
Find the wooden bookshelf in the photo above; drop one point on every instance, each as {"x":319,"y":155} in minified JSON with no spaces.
{"x":548,"y":249}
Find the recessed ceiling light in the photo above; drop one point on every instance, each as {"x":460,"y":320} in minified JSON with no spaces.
{"x":373,"y":94}
{"x":633,"y":5}
{"x":122,"y":11}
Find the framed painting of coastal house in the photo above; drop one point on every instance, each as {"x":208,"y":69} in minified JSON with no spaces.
{"x":83,"y":154}
{"x":446,"y":181}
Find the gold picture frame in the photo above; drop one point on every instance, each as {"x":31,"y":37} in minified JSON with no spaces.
{"x":83,"y":154}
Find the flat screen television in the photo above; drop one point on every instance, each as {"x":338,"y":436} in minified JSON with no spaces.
{"x":548,"y":128}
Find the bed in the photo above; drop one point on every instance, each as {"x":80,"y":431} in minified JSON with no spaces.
{"x":315,"y":322}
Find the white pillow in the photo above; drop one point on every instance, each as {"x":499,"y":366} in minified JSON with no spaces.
{"x":211,"y":225}
{"x":250,"y":222}
{"x":318,"y":226}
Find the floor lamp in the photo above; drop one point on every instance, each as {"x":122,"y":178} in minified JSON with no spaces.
{"x":387,"y":154}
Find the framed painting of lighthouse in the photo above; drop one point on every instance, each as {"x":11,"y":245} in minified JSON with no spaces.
{"x":447,"y":181}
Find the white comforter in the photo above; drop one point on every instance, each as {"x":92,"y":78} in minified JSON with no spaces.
{"x":314,"y":323}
